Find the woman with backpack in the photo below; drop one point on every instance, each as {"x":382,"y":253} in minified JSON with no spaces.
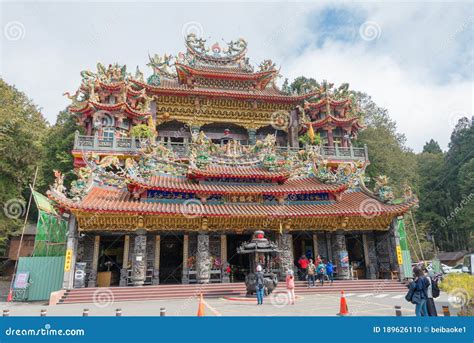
{"x":259,"y":285}
{"x":321,"y":270}
{"x":433,"y":292}
{"x":418,"y":292}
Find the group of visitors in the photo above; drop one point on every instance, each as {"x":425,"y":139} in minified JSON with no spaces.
{"x":315,"y":271}
{"x":422,"y":291}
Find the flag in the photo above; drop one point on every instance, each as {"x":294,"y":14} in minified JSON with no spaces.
{"x":43,"y":203}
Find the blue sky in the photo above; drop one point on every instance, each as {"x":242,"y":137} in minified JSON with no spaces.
{"x":415,"y":59}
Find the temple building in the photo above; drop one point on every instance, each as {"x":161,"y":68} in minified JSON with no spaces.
{"x":176,"y":171}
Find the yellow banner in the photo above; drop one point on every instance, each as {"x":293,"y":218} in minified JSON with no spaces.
{"x":68,"y":261}
{"x":399,"y":255}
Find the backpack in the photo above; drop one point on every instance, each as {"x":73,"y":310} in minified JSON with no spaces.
{"x":434,"y":288}
{"x":411,"y":291}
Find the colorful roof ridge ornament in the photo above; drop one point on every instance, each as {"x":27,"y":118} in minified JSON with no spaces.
{"x":384,"y":193}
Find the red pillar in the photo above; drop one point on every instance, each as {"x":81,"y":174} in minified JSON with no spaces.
{"x":330,"y":138}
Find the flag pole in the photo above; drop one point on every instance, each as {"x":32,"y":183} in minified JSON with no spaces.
{"x":10,"y":293}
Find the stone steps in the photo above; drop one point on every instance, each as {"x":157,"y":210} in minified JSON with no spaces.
{"x":159,"y":292}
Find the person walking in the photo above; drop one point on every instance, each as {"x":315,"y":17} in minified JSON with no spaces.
{"x":311,"y":271}
{"x":290,"y":286}
{"x":321,"y":270}
{"x":259,"y":285}
{"x":303,"y":264}
{"x":432,"y":292}
{"x":417,"y":293}
{"x":330,"y":272}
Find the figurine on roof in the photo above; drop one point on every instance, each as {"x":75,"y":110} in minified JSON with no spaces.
{"x":161,"y":65}
{"x":267,"y":65}
{"x":382,"y":189}
{"x":58,"y":185}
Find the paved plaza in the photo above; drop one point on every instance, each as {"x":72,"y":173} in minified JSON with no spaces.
{"x":360,"y":304}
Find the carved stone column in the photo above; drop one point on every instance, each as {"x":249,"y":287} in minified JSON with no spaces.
{"x":224,"y":276}
{"x":370,"y":255}
{"x":315,"y":245}
{"x":156,"y":263}
{"x":124,"y":270}
{"x":340,"y":249}
{"x":185,"y":277}
{"x":252,"y":133}
{"x":293,"y":128}
{"x":203,"y":259}
{"x":71,"y":253}
{"x":139,"y":259}
{"x":95,"y":261}
{"x":286,"y":254}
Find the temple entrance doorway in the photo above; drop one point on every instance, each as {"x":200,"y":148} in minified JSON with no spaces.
{"x":110,"y":260}
{"x":303,"y":245}
{"x":355,"y":251}
{"x":239,"y":263}
{"x":171,"y":259}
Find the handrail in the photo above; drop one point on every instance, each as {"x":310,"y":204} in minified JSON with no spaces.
{"x":132,"y":145}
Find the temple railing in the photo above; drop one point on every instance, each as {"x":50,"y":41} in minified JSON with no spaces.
{"x":128,"y":145}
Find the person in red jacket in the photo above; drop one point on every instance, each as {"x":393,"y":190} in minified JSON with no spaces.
{"x":303,"y":264}
{"x":290,"y":286}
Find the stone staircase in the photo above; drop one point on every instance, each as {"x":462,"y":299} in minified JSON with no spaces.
{"x":160,"y":292}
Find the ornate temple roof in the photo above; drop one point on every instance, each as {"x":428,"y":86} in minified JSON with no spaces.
{"x":214,"y":71}
{"x":335,"y":121}
{"x":306,"y":185}
{"x":112,"y":200}
{"x":173,"y":87}
{"x":157,"y":184}
{"x":241,"y":172}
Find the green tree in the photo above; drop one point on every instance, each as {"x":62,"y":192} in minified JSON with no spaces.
{"x":431,"y":211}
{"x":22,"y":129}
{"x":432,"y":146}
{"x":388,"y":153}
{"x":58,"y":144}
{"x":302,"y":85}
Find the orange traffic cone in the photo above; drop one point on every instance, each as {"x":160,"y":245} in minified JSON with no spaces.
{"x":10,"y":296}
{"x":343,"y":309}
{"x":201,"y":307}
